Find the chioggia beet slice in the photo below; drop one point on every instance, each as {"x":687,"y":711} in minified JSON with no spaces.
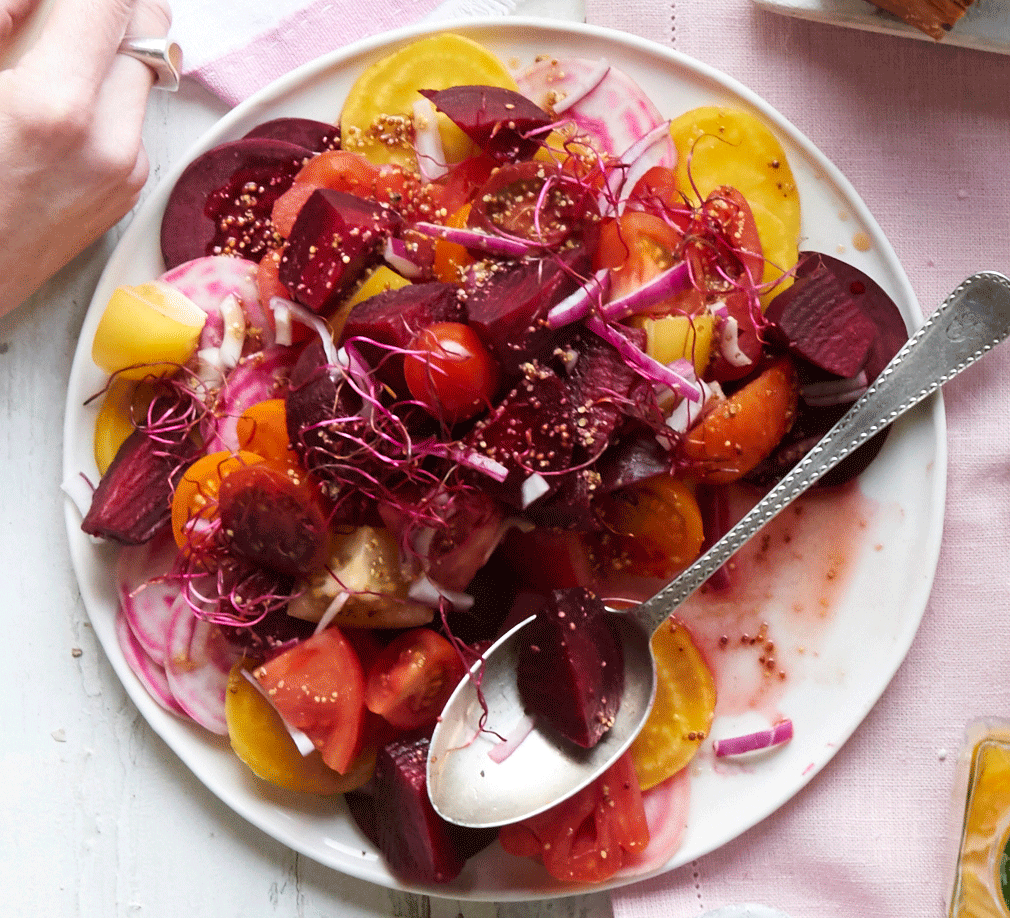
{"x":571,"y":666}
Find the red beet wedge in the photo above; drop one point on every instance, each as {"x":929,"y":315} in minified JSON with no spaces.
{"x":335,"y":238}
{"x":571,"y":666}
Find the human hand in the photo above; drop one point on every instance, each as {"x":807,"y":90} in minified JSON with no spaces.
{"x":71,"y":153}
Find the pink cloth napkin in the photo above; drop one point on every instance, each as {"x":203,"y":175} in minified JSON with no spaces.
{"x":234,"y":47}
{"x":923,"y":132}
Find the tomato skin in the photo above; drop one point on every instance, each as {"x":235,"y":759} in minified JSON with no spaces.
{"x":744,"y":428}
{"x":451,"y":372}
{"x":263,"y":429}
{"x":412,"y":678}
{"x":196,"y":495}
{"x":271,"y":515}
{"x":585,"y":838}
{"x":318,"y":687}
{"x":655,"y":527}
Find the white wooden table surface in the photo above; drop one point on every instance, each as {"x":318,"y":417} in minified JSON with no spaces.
{"x":98,"y":818}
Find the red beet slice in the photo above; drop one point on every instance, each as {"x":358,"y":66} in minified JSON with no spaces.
{"x":393,"y":318}
{"x":820,"y":320}
{"x":222,"y":202}
{"x":812,"y":423}
{"x":530,"y":432}
{"x":336,"y":236}
{"x":133,"y":500}
{"x":316,"y":136}
{"x":500,"y":121}
{"x":508,"y":308}
{"x":416,"y":843}
{"x":571,"y":666}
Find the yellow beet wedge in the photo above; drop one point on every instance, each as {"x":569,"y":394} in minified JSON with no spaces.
{"x":724,"y":146}
{"x":124,"y":401}
{"x":147,"y":330}
{"x":377,"y":118}
{"x":682,"y":714}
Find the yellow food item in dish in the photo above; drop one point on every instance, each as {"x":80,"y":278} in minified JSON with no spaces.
{"x":377,"y":117}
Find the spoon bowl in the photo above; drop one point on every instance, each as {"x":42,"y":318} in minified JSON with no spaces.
{"x":471,"y":784}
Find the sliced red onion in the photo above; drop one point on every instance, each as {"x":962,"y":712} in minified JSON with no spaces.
{"x":533,"y":488}
{"x":501,"y":751}
{"x":471,"y":458}
{"x":729,"y":342}
{"x":301,"y":739}
{"x":580,"y":304}
{"x":332,"y":611}
{"x":478,"y":240}
{"x":234,"y":331}
{"x":282,"y":322}
{"x":398,"y":258}
{"x":584,"y":85}
{"x":309,"y":318}
{"x":671,"y":281}
{"x":648,"y":366}
{"x":686,"y":413}
{"x":652,"y":149}
{"x":429,"y":593}
{"x":835,"y":391}
{"x":781,"y":733}
{"x":428,"y":148}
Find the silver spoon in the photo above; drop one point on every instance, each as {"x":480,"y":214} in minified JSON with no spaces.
{"x":468,"y":787}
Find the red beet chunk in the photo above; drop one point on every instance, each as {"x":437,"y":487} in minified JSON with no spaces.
{"x":133,"y":500}
{"x":416,"y":843}
{"x":500,"y":121}
{"x":531,"y":431}
{"x":571,"y":667}
{"x":393,"y":318}
{"x":335,"y":238}
{"x":822,"y":323}
{"x":635,"y":457}
{"x":317,"y":136}
{"x":508,"y":308}
{"x":222,"y":202}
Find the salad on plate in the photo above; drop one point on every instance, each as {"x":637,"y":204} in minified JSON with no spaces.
{"x":499,"y":341}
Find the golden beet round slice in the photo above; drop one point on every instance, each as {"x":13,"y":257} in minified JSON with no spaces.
{"x":377,"y":117}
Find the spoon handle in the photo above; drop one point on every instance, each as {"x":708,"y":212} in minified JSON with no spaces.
{"x":973,"y":320}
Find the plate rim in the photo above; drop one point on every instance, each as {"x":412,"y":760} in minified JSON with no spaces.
{"x":168,"y":727}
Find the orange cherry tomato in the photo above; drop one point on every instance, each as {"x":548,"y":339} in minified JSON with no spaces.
{"x":412,"y":678}
{"x":743,"y":429}
{"x":318,"y":687}
{"x":196,"y":496}
{"x":655,"y":527}
{"x":263,"y":429}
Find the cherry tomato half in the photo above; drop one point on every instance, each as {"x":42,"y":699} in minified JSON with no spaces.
{"x":450,"y":372}
{"x":412,"y":679}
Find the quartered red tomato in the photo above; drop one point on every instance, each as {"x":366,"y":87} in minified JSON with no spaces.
{"x":723,"y":243}
{"x":450,"y":372}
{"x":318,"y":687}
{"x":585,"y":839}
{"x":410,"y":681}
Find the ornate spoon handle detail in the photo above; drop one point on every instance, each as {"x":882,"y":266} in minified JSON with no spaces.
{"x":972,"y":321}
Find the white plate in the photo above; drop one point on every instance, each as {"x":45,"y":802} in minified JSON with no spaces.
{"x":862,"y":641}
{"x":986,"y":25}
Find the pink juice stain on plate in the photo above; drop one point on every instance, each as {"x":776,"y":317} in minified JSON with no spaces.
{"x":785,"y":586}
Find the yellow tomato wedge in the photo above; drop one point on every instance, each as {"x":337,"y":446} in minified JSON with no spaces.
{"x":147,"y":330}
{"x":682,"y":715}
{"x":261,"y":740}
{"x":723,"y":146}
{"x":124,"y":401}
{"x":377,"y":117}
{"x":670,"y":338}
